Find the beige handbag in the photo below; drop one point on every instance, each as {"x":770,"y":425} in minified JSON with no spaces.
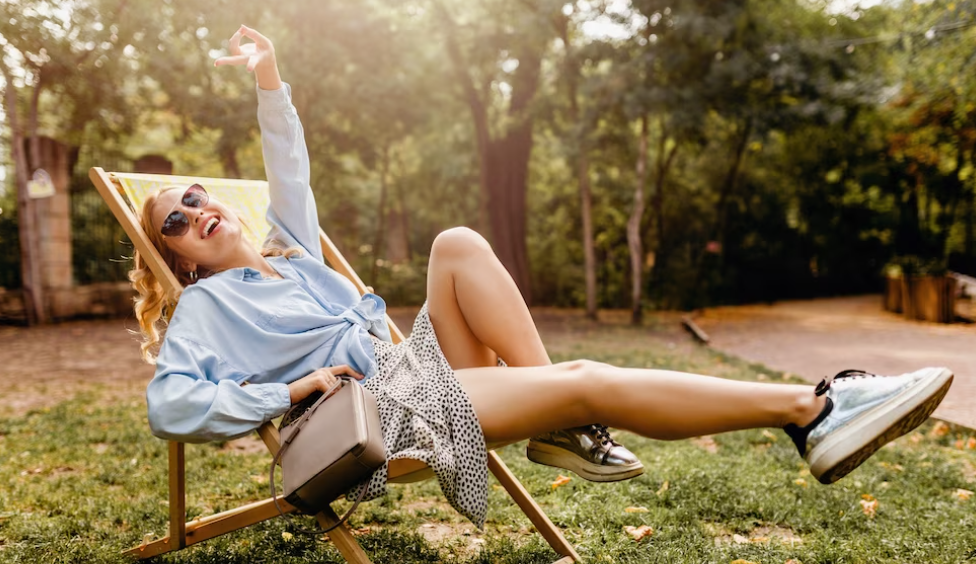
{"x":335,"y":444}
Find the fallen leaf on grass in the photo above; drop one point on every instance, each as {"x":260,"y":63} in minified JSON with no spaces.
{"x":769,"y":435}
{"x":890,"y":466}
{"x":561,"y":481}
{"x":741,"y":561}
{"x":869,"y":505}
{"x":791,"y":561}
{"x":963,"y":495}
{"x":707,"y":443}
{"x":636,"y":510}
{"x":801,"y":482}
{"x":664,"y":487}
{"x":969,"y":444}
{"x":287,"y":536}
{"x":638,"y":533}
{"x":739,"y":539}
{"x":940,"y":430}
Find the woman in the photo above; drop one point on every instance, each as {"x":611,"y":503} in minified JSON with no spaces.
{"x":287,"y":325}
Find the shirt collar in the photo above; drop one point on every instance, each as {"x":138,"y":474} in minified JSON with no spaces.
{"x":246,"y":273}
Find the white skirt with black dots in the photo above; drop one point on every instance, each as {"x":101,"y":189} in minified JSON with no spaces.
{"x":426,"y":416}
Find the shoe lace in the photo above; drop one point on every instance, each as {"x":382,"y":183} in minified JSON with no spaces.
{"x":602,"y":434}
{"x":853,"y":374}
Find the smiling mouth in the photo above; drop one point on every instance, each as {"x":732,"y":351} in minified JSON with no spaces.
{"x":210,"y":227}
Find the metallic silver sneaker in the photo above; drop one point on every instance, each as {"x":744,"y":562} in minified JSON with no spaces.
{"x":863,"y":413}
{"x":588,"y":451}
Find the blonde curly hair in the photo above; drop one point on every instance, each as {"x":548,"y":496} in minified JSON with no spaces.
{"x":153,"y":306}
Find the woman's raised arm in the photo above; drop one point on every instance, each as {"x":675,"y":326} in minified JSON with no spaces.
{"x":293,"y":214}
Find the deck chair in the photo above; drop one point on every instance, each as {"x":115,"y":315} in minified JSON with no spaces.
{"x":124,"y":193}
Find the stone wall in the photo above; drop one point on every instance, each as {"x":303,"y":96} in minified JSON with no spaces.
{"x":53,"y":218}
{"x":106,"y":299}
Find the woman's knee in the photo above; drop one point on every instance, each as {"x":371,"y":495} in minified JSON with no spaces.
{"x":458,"y":242}
{"x":588,"y":379}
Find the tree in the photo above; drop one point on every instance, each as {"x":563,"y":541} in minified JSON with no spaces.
{"x":69,"y":57}
{"x":500,"y":49}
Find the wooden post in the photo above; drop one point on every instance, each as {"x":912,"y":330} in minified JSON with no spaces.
{"x":177,"y":495}
{"x":524,"y":500}
{"x":342,"y":538}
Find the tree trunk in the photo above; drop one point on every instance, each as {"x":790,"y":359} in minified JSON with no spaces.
{"x":507,"y":162}
{"x":381,"y":214}
{"x":404,"y":214}
{"x":586,"y":210}
{"x":228,"y":160}
{"x":29,"y":257}
{"x":970,"y":229}
{"x":728,"y":186}
{"x":664,"y":162}
{"x":634,"y":230}
{"x":503,"y":161}
{"x":571,"y":73}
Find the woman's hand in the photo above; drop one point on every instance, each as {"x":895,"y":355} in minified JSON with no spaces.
{"x":319,"y":381}
{"x":258,"y":56}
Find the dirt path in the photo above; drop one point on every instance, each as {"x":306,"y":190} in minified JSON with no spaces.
{"x":43,"y":366}
{"x":819,"y":337}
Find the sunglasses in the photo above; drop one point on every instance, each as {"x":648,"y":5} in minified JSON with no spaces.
{"x":176,"y":223}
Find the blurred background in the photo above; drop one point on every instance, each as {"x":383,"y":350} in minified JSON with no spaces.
{"x":618,"y":154}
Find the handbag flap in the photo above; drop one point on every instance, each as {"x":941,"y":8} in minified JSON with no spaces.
{"x":337,"y":428}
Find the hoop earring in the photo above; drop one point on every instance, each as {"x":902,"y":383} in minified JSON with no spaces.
{"x":193,"y":275}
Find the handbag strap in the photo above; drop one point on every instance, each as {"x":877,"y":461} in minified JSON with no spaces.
{"x":297,"y":425}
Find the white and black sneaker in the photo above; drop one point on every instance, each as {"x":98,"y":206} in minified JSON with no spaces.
{"x":863,"y":413}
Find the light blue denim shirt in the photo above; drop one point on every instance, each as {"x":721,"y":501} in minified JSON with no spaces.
{"x":236,"y":327}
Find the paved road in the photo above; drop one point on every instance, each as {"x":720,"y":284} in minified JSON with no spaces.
{"x":819,"y":337}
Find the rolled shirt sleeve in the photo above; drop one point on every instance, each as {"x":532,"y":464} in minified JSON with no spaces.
{"x":186,"y":406}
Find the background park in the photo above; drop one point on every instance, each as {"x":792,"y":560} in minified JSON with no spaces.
{"x":795,"y":180}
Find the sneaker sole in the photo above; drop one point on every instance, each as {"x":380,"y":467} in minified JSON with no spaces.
{"x":835,"y":458}
{"x":550,"y":455}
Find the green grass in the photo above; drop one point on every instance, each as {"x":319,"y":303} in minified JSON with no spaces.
{"x":84,"y":480}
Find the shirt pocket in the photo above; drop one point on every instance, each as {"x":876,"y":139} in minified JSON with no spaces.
{"x":294,"y":316}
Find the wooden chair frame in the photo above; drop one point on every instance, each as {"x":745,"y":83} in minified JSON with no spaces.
{"x":183,"y":533}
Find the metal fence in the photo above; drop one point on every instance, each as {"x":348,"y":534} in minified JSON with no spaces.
{"x":100,"y":249}
{"x":9,"y":240}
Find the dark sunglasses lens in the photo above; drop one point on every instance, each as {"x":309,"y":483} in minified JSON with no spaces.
{"x":176,"y":224}
{"x":195,"y":197}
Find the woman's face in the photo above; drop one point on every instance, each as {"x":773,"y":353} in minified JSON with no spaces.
{"x":212,"y":231}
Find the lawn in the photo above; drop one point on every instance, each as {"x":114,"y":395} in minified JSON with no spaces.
{"x":83,"y":479}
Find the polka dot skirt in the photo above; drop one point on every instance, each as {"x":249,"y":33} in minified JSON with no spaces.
{"x":426,"y":416}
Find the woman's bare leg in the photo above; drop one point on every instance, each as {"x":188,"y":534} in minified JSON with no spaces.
{"x":477,"y":311}
{"x":475,"y":307}
{"x":517,"y":403}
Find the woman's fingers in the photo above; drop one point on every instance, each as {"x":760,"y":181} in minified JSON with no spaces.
{"x":236,"y":60}
{"x":252,"y":62}
{"x":345,"y":369}
{"x":256,"y":36}
{"x":235,"y":42}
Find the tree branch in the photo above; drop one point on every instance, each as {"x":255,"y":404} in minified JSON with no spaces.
{"x":475,"y":102}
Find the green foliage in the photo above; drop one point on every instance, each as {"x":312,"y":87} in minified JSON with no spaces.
{"x":793,"y":150}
